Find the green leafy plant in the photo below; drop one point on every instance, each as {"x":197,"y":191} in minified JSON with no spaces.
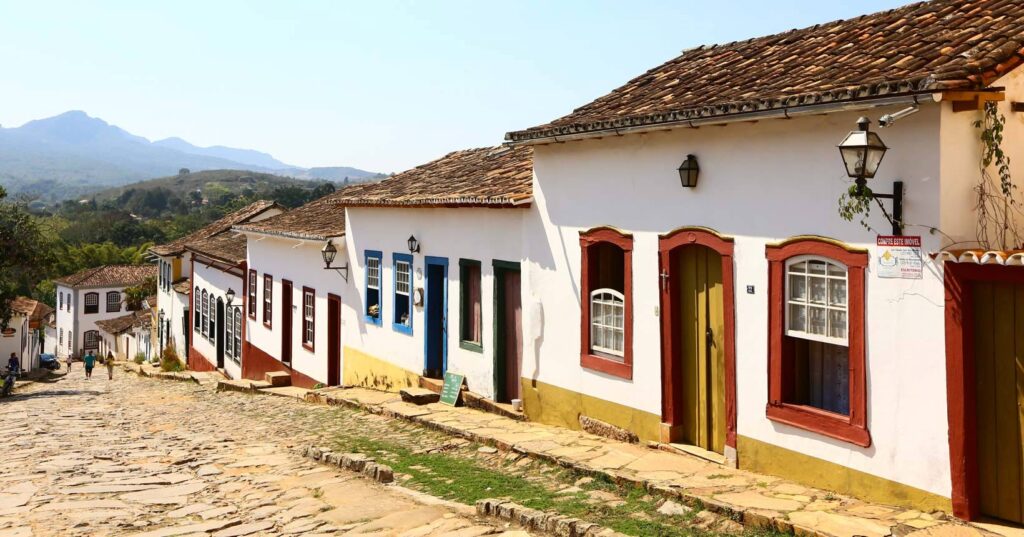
{"x":169,"y":360}
{"x":999,"y":209}
{"x":140,"y":358}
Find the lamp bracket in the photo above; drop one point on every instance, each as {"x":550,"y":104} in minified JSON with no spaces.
{"x":343,"y":271}
{"x":896,"y":219}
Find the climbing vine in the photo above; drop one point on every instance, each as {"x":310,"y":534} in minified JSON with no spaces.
{"x":857,"y":201}
{"x":997,"y":204}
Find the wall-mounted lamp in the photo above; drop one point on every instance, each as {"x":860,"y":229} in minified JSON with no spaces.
{"x":229,"y":296}
{"x":414,"y":245}
{"x":329,"y":252}
{"x":862,"y":152}
{"x":688,"y":172}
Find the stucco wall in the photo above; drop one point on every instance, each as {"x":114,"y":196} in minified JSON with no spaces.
{"x":483,"y":235}
{"x":77,"y":322}
{"x":759,"y":183}
{"x":174,"y":305}
{"x":301,"y":263}
{"x":217,"y":283}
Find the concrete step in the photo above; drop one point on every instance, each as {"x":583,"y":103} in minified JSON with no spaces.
{"x":278,"y":379}
{"x":434,"y":385}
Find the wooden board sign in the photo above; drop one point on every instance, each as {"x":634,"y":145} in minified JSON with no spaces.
{"x":452,"y":388}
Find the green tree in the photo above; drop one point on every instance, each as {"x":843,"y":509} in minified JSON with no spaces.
{"x":290,"y":196}
{"x":27,"y":255}
{"x":136,"y":295}
{"x":321,"y":191}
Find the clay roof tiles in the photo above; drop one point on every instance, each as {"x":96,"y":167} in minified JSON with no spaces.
{"x":229,"y":247}
{"x":33,"y":309}
{"x":317,"y":220}
{"x":224,"y":224}
{"x":109,"y":276}
{"x":919,"y":48}
{"x":482,"y":177}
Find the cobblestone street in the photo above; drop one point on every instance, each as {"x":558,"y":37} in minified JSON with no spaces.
{"x":141,"y":457}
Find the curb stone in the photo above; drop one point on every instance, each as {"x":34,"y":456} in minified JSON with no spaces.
{"x":541,"y":521}
{"x":355,"y":462}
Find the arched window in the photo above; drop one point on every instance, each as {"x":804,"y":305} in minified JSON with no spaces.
{"x":606,"y":317}
{"x":206,"y":313}
{"x":91,"y":340}
{"x":92,"y":303}
{"x":113,"y":302}
{"x":229,"y":339}
{"x":238,"y":335}
{"x":816,"y":340}
{"x":197,"y":317}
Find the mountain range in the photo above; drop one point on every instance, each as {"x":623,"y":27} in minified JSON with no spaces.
{"x":74,"y":153}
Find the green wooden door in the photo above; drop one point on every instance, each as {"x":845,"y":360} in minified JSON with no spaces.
{"x":701,"y":348}
{"x":999,"y":362}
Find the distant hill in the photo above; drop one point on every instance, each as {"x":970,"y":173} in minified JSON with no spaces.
{"x":208,"y":182}
{"x":74,"y":154}
{"x":335,"y":174}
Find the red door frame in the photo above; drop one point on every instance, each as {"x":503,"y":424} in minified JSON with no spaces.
{"x":682,"y":237}
{"x":333,"y":340}
{"x":961,"y":401}
{"x":286,"y":321}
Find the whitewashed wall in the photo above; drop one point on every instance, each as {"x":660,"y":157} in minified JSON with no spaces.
{"x":217,"y":283}
{"x":76,"y":322}
{"x":18,"y":343}
{"x":300,"y":262}
{"x":479,"y":234}
{"x":759,"y":183}
{"x":174,"y":306}
{"x":65,"y":320}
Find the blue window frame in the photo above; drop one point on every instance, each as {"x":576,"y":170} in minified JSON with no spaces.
{"x":374,"y":276}
{"x":401,"y":275}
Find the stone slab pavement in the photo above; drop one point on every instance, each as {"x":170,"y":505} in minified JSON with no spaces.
{"x":755,"y":499}
{"x":140,"y":457}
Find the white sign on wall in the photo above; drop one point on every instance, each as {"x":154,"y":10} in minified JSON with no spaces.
{"x":899,"y":257}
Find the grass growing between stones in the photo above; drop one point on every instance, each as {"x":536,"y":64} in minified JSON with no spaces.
{"x":531,"y":483}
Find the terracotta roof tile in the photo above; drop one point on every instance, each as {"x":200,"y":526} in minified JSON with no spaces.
{"x":242,"y":215}
{"x":33,"y":309}
{"x":919,"y":48}
{"x":317,"y":220}
{"x":123,"y":323}
{"x":229,"y":247}
{"x":109,"y":276}
{"x":483,"y":177}
{"x":182,"y":286}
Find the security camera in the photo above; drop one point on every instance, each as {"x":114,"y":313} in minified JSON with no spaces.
{"x":888,"y":119}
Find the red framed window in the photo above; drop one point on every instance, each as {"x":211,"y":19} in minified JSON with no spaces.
{"x":251,"y":295}
{"x":606,"y":284}
{"x":308,"y":318}
{"x":268,"y":300}
{"x":816,"y":357}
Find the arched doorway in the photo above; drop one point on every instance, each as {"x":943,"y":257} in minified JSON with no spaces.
{"x":698,"y":357}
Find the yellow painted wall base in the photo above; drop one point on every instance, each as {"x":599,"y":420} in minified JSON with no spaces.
{"x":765,"y":458}
{"x":361,"y":369}
{"x":557,"y":406}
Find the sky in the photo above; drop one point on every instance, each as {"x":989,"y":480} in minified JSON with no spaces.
{"x":381,"y":85}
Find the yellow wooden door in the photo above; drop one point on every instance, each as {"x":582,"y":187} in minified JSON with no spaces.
{"x":999,"y":363}
{"x":702,"y":347}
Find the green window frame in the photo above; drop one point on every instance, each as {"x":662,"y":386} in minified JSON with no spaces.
{"x":470,"y":270}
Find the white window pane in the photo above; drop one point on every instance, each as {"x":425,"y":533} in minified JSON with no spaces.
{"x":837,"y":292}
{"x":837,"y":324}
{"x":836,"y":270}
{"x":798,"y":267}
{"x":816,"y":267}
{"x":818,"y":290}
{"x":798,"y":287}
{"x":816,"y":318}
{"x":797,"y":317}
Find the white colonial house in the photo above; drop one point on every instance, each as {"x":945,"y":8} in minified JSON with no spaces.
{"x":128,"y":336}
{"x":89,"y":296}
{"x":218,"y":268}
{"x":25,"y":332}
{"x":690,"y":278}
{"x":174,"y":284}
{"x":425,"y":279}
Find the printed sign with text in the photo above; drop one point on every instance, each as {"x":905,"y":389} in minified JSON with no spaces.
{"x":899,"y":257}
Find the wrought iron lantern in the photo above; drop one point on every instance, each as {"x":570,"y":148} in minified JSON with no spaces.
{"x":230,"y":296}
{"x":414,"y":245}
{"x":862,"y":152}
{"x":329,"y":252}
{"x":688,"y":172}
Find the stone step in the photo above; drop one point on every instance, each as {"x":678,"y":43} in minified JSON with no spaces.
{"x":434,"y":385}
{"x":419,"y":396}
{"x":279,"y":378}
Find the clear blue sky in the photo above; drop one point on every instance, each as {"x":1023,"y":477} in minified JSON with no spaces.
{"x":380,"y":85}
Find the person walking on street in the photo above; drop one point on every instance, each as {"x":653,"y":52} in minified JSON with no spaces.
{"x":110,"y":365}
{"x":71,"y":358}
{"x":90,"y":361}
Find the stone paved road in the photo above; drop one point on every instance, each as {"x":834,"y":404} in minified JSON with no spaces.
{"x":142,"y":457}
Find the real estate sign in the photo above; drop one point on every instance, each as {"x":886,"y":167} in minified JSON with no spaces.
{"x":899,"y":257}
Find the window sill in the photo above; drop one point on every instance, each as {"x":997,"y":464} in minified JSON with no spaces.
{"x":373,"y":320}
{"x":471,"y":346}
{"x":819,"y":421}
{"x":407,"y":330}
{"x":308,"y":347}
{"x":606,"y":365}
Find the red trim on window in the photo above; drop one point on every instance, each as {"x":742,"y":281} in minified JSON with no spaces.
{"x":268,"y":305}
{"x":852,"y":428}
{"x":961,"y":397}
{"x":724,"y":247}
{"x":311,"y":345}
{"x":251,"y":288}
{"x":596,"y":362}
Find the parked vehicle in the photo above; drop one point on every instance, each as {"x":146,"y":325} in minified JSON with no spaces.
{"x":49,"y":361}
